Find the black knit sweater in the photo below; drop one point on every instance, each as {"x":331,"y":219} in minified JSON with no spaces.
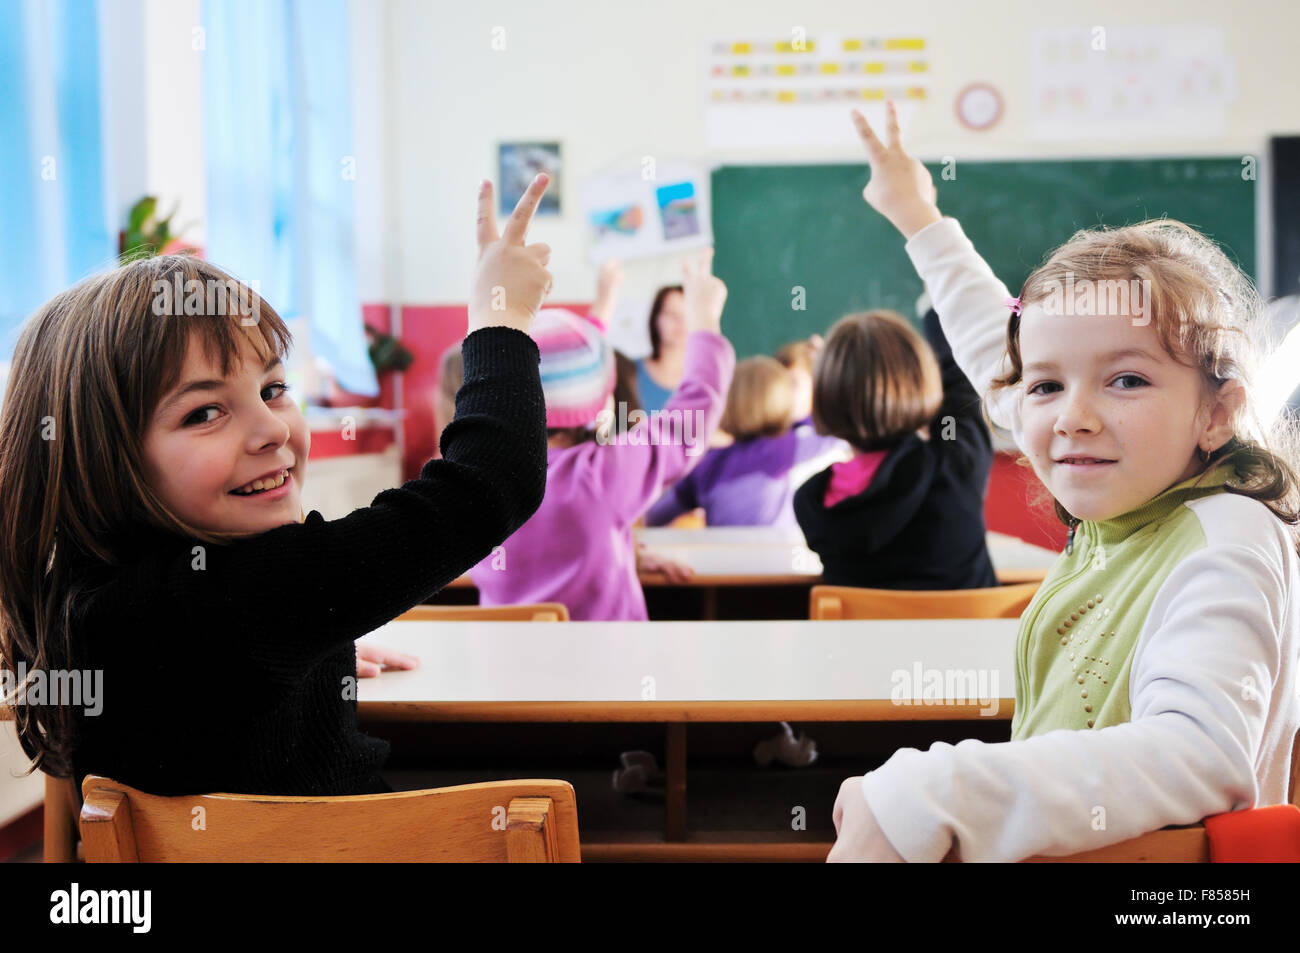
{"x":240,"y":676}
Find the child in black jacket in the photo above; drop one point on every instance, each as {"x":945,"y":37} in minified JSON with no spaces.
{"x":907,"y":512}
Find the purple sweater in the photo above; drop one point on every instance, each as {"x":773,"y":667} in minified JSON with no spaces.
{"x":747,"y":483}
{"x":577,"y":548}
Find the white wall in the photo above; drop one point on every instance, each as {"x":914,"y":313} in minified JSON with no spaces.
{"x":153,"y":109}
{"x":616,"y":81}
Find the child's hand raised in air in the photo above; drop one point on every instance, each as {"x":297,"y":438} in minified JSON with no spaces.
{"x":511,"y":279}
{"x":704,"y":294}
{"x":900,"y":188}
{"x":608,"y":282}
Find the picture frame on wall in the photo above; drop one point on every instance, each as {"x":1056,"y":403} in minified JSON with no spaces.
{"x":518,"y":163}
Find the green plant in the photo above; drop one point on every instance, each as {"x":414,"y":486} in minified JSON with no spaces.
{"x":145,"y":234}
{"x":386,"y":352}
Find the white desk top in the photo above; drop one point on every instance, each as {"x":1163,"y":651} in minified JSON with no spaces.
{"x":765,"y":550}
{"x":490,"y":662}
{"x":721,"y":535}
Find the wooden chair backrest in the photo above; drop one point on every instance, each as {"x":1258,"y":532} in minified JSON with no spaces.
{"x":540,"y":612}
{"x":848,"y":602}
{"x":1008,"y":577}
{"x":1173,"y":844}
{"x":516,"y":821}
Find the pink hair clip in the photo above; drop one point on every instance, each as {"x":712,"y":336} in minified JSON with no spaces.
{"x":1013,"y":304}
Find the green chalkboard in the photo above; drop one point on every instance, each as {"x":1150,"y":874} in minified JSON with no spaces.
{"x":778,"y":228}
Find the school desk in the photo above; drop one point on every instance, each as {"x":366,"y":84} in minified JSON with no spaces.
{"x":765,"y":572}
{"x":679,"y":673}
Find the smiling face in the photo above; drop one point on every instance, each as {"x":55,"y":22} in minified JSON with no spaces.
{"x":204,"y":442}
{"x":1111,"y":420}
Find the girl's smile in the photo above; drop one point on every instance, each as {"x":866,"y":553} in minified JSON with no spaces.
{"x":270,"y":486}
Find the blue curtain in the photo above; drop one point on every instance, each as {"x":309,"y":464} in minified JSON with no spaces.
{"x":54,"y":223}
{"x":277,"y":125}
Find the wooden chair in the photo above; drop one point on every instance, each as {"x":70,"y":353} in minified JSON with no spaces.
{"x":1188,"y":845}
{"x":1009,"y":577}
{"x":848,"y":602}
{"x":62,"y":804}
{"x":531,"y":821}
{"x":691,"y":519}
{"x":540,"y":612}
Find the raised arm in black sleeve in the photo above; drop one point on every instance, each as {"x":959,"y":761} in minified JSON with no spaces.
{"x":959,"y":425}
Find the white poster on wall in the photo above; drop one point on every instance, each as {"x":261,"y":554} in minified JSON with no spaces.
{"x":661,"y":208}
{"x":1126,"y":82}
{"x":797,"y":90}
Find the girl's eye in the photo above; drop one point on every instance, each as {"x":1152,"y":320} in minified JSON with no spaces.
{"x":190,"y":420}
{"x":1140,"y":382}
{"x":1037,"y":389}
{"x":193,"y":420}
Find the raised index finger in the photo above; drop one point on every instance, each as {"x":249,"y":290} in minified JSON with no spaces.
{"x":706,"y":261}
{"x":487,"y":219}
{"x":891,"y":124}
{"x":875,"y":148}
{"x":520,"y":218}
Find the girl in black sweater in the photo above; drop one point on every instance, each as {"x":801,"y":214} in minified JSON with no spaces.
{"x":907,"y":512}
{"x":150,"y":466}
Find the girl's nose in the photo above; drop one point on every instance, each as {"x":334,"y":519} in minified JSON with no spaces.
{"x":269,"y":430}
{"x":1077,"y":414}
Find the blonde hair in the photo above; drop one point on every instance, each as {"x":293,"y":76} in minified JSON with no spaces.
{"x":760,"y":402}
{"x":797,"y":354}
{"x":451,"y":374}
{"x":88,"y":372}
{"x":875,"y":381}
{"x":1207,"y":315}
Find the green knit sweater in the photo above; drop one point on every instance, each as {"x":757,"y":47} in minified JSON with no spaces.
{"x":1078,"y":635}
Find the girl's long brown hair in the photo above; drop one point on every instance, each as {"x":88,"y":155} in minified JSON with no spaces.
{"x":87,"y":374}
{"x":1207,"y":314}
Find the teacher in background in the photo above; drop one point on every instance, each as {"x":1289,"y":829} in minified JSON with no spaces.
{"x":658,"y":375}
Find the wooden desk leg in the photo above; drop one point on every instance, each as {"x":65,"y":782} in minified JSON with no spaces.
{"x":675,"y":783}
{"x":709,"y":608}
{"x":60,"y":821}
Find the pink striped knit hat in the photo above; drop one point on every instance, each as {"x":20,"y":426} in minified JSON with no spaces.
{"x":577,"y":366}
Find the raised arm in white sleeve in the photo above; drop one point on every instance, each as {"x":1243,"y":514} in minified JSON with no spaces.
{"x":972,"y":308}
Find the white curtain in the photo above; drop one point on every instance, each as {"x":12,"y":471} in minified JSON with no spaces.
{"x":279,"y":145}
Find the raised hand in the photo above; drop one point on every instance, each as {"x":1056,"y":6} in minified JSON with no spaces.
{"x":608,"y":283}
{"x":511,"y":280}
{"x":901,"y":188}
{"x":704,"y":293}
